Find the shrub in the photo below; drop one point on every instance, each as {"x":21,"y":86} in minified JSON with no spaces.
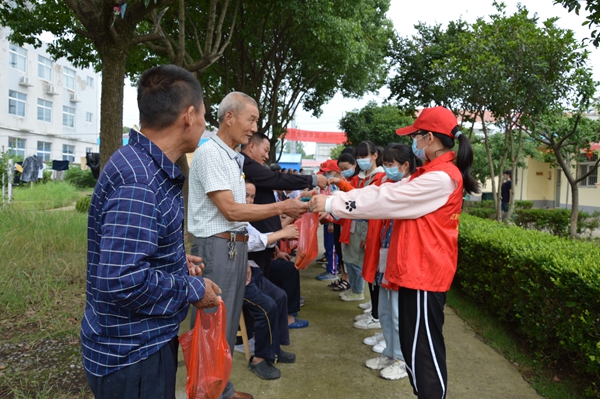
{"x":80,"y":178}
{"x":523,"y":205}
{"x":83,"y":204}
{"x":549,"y":287}
{"x":554,"y":221}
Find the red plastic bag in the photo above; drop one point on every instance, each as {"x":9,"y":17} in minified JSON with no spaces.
{"x":308,"y":244}
{"x":207,"y":355}
{"x":287,"y":245}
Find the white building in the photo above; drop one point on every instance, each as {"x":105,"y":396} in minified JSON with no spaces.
{"x":47,"y":108}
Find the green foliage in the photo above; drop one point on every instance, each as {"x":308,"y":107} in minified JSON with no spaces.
{"x":80,"y":178}
{"x":337,"y":151}
{"x":377,"y":123}
{"x":51,"y":195}
{"x":290,"y":53}
{"x":593,"y":18}
{"x":416,"y":83}
{"x":83,"y":204}
{"x":523,"y":205}
{"x":481,"y":166}
{"x":548,"y":287}
{"x":553,"y":221}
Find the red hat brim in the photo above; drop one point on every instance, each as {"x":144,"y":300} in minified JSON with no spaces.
{"x":403,"y":131}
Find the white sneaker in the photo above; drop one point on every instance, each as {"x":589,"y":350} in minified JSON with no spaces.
{"x":367,"y":324}
{"x":379,"y":347}
{"x":353,"y":297}
{"x":394,"y":371}
{"x":367,"y":310}
{"x":374,"y":339}
{"x":364,"y":306}
{"x":362,"y":316}
{"x":379,"y":362}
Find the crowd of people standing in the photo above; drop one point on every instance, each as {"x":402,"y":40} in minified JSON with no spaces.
{"x":390,"y":218}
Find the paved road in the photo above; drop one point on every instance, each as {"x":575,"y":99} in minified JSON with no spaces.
{"x":331,"y":355}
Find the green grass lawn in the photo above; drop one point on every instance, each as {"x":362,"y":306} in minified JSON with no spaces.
{"x":42,"y":275}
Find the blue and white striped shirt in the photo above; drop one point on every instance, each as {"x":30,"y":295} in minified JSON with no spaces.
{"x":138,"y":287}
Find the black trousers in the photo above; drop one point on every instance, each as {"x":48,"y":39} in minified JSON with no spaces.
{"x":374,"y":291}
{"x":285,"y":275}
{"x":267,"y":304}
{"x":153,"y":377}
{"x":422,"y":341}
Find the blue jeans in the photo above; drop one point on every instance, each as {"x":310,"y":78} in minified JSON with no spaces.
{"x":355,"y":276}
{"x":388,"y":317}
{"x":328,"y":243}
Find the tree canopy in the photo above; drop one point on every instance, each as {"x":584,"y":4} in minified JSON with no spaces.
{"x":377,"y":123}
{"x":592,"y":20}
{"x":291,"y":53}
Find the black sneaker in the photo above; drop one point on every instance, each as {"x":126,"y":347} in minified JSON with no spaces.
{"x":286,"y":357}
{"x":321,"y":261}
{"x":264,"y":369}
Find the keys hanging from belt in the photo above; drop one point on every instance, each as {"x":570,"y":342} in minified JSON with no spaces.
{"x":231,"y":246}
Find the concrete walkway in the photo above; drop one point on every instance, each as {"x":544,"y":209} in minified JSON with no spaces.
{"x":331,"y":355}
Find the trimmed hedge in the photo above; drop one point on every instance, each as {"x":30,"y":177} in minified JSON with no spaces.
{"x":557,"y":221}
{"x":549,"y":287}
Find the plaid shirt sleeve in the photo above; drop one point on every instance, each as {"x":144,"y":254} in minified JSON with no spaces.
{"x":129,"y":247}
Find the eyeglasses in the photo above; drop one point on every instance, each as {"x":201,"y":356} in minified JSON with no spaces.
{"x":419,"y":133}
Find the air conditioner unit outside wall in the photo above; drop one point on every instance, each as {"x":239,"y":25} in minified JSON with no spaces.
{"x":24,"y":81}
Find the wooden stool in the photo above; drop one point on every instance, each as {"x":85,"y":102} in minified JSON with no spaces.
{"x":244,"y":334}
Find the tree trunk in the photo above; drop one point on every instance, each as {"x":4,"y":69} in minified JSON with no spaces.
{"x":114,"y":60}
{"x":574,"y":210}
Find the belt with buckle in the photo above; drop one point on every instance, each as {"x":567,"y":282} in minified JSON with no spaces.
{"x":233,"y":236}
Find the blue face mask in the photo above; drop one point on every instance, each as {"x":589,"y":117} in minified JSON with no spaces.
{"x":348,"y":173}
{"x":393,"y":174}
{"x":364,"y":164}
{"x":419,"y":153}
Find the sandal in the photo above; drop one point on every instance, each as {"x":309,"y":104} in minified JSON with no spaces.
{"x":343,"y":286}
{"x":335,"y":283}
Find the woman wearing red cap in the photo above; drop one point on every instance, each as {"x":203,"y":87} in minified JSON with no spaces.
{"x":424,"y":245}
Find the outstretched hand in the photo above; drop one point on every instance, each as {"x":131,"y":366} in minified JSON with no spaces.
{"x":317,"y":203}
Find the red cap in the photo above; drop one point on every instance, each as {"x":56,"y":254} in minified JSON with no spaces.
{"x":329,"y":166}
{"x":436,"y":120}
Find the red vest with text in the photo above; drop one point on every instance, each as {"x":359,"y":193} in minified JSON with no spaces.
{"x":423,"y":252}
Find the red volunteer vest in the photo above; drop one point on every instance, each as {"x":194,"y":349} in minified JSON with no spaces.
{"x":424,"y":251}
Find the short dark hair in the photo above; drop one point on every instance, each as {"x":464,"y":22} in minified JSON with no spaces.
{"x":257,"y":138}
{"x":275,"y":167}
{"x":508,"y":172}
{"x":164,"y":92}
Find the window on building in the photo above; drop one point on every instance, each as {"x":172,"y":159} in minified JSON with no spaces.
{"x":68,"y":116}
{"x":68,"y":153}
{"x":88,"y":116}
{"x":44,"y":150}
{"x":69,"y":78}
{"x":16,"y":147}
{"x":45,"y":68}
{"x":16,"y":103}
{"x":44,"y":110}
{"x":586,"y":164}
{"x":18,"y":57}
{"x":90,"y":82}
{"x":324,"y":151}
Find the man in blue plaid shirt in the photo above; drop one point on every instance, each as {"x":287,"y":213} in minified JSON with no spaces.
{"x":140,"y":282}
